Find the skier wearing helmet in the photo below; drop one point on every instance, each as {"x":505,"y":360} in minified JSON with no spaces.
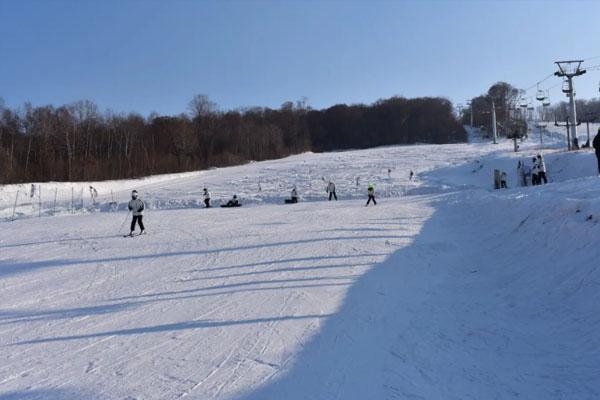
{"x":206,"y":194}
{"x":136,"y":206}
{"x":371,"y":193}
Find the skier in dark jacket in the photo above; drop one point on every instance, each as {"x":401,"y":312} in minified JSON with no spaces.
{"x":596,"y":144}
{"x":206,"y":195}
{"x":136,"y":206}
{"x":371,"y":194}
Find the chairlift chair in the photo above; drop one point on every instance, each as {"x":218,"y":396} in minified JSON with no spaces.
{"x":540,"y":95}
{"x":523,"y":103}
{"x":565,"y":86}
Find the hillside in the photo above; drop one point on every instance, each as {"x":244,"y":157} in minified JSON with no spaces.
{"x":446,"y":289}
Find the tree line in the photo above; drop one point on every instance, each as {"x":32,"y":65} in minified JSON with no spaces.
{"x":78,"y":142}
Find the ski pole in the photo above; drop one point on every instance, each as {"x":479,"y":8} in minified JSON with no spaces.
{"x":125,"y":220}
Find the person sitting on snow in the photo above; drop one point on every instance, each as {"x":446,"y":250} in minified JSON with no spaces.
{"x":371,"y":194}
{"x":206,"y":194}
{"x":234,"y":202}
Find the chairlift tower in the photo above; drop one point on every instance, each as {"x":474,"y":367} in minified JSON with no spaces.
{"x":470,"y":104}
{"x":568,"y":70}
{"x":494,"y":130}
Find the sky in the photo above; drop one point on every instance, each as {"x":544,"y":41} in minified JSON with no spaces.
{"x":154,"y":56}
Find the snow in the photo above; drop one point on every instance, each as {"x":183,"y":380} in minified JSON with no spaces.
{"x":446,"y":289}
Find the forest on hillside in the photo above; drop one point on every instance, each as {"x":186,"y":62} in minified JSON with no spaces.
{"x":78,"y":142}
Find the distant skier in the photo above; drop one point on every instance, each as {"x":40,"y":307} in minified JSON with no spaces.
{"x":534,"y":173}
{"x":294,"y":196}
{"x":596,"y":144}
{"x":389,"y":173}
{"x":541,"y":169}
{"x":371,"y":194}
{"x":357,"y":181}
{"x":206,"y":195}
{"x":136,"y":206}
{"x":331,"y":190}
{"x":410,"y":175}
{"x":93,"y":194}
{"x":503,"y":178}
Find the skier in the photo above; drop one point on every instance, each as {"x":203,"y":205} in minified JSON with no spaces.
{"x":596,"y":144}
{"x":331,"y":190}
{"x":534,"y":173}
{"x":389,"y":173}
{"x":294,"y":194}
{"x":136,"y":206}
{"x":410,"y":175}
{"x":93,"y":194}
{"x":503,"y":180}
{"x":541,"y":170}
{"x":371,"y":194}
{"x":206,"y":194}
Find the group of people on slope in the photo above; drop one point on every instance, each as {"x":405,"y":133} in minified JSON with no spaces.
{"x":233,"y":202}
{"x":370,"y":192}
{"x":136,"y":205}
{"x":536,"y":173}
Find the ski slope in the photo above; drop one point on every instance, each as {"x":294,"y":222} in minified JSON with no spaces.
{"x":444,"y":290}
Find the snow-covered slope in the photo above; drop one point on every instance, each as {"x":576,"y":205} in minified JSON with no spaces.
{"x":444,"y":290}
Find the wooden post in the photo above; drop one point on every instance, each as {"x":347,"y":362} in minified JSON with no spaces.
{"x":15,"y":206}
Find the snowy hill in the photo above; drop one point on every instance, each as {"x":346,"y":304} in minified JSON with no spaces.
{"x":446,"y":289}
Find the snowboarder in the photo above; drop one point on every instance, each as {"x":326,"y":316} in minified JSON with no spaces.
{"x":596,"y":144}
{"x":136,"y":206}
{"x":234,"y":202}
{"x":534,"y":173}
{"x":294,"y":196}
{"x":371,"y":194}
{"x":541,"y":170}
{"x":93,"y":194}
{"x":503,"y":180}
{"x":206,"y":194}
{"x":331,"y":190}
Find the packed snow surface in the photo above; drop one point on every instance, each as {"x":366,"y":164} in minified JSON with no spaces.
{"x":446,"y":289}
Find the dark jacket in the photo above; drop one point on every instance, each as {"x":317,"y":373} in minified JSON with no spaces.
{"x":596,"y":143}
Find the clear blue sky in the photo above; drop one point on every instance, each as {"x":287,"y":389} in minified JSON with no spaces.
{"x":154,"y":56}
